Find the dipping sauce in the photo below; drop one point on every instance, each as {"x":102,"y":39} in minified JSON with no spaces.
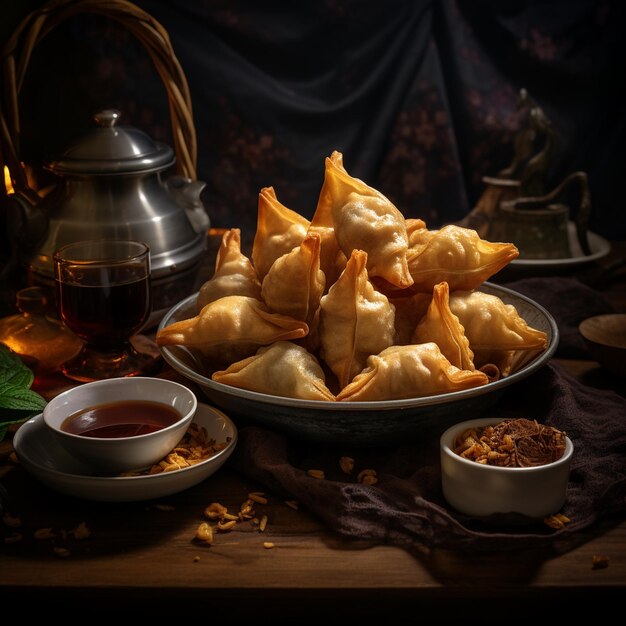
{"x":127,"y":418}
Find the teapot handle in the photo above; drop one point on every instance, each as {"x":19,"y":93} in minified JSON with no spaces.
{"x":18,"y":51}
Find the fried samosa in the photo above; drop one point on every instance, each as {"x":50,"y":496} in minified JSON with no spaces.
{"x":412,"y":371}
{"x":332,"y":258}
{"x":295,"y":282}
{"x":495,"y":330}
{"x":282,"y":369}
{"x":455,"y":255}
{"x":444,"y":328}
{"x":234,"y":274}
{"x":230,"y":329}
{"x":355,"y":321}
{"x":279,"y":230}
{"x":364,"y":219}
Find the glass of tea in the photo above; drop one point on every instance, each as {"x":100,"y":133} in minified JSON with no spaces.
{"x":103,"y":296}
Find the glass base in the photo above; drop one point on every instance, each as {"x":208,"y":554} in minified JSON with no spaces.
{"x":89,"y":365}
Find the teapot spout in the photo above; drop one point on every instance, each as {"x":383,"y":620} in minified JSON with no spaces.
{"x":186,"y":194}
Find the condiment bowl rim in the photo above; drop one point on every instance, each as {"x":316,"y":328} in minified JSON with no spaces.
{"x":486,"y":421}
{"x":602,"y":340}
{"x":110,"y":441}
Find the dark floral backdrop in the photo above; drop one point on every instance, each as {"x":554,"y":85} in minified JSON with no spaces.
{"x":420,"y":96}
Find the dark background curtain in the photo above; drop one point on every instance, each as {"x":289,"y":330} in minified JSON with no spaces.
{"x":420,"y":96}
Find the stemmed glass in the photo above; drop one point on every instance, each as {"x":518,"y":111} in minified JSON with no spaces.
{"x":103,"y":296}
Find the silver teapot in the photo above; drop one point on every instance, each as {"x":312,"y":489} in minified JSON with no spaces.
{"x":111,"y":186}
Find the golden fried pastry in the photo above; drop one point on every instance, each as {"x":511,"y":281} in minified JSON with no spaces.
{"x":355,"y":321}
{"x":230,"y":329}
{"x":495,"y":330}
{"x":282,"y":369}
{"x":279,"y":230}
{"x":364,"y":219}
{"x":455,"y":255}
{"x":442,"y":326}
{"x":412,"y":371}
{"x":234,"y":274}
{"x":332,"y":259}
{"x":295,"y":282}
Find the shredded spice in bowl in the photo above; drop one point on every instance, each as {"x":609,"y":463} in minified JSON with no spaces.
{"x":511,"y":443}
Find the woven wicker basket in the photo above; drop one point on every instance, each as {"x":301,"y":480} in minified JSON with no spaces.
{"x":18,"y":51}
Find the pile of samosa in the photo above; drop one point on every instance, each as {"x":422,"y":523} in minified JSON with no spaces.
{"x":359,"y":304}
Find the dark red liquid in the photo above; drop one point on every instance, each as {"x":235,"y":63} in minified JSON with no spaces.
{"x":128,"y":418}
{"x":105,"y":316}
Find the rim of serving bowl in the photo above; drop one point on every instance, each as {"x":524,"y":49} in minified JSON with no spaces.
{"x":169,"y":354}
{"x":448,"y":434}
{"x":110,"y":441}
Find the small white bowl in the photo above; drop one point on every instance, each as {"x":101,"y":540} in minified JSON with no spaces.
{"x":482,"y":490}
{"x":120,"y":454}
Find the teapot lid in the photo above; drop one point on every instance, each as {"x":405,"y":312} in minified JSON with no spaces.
{"x":111,"y":149}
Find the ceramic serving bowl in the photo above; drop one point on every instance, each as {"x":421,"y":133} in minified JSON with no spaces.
{"x":482,"y":490}
{"x":359,"y":423}
{"x":605,"y":337}
{"x":114,"y":455}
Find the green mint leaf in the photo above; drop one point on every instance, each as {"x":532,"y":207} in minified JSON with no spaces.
{"x":12,"y":397}
{"x":15,"y":381}
{"x":21,"y":378}
{"x":13,"y":369}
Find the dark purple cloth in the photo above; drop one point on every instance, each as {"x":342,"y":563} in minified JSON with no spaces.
{"x":570,"y":302}
{"x":406,"y":507}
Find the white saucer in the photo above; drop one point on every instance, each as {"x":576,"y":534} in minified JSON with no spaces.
{"x":45,"y":459}
{"x":599,"y":246}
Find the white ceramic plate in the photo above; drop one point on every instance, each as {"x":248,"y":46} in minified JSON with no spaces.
{"x":45,"y":459}
{"x":599,"y":246}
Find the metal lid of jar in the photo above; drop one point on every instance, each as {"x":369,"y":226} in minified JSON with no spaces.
{"x":110,"y":149}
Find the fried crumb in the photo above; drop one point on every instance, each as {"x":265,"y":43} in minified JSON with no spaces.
{"x":204,"y":533}
{"x":367,"y":477}
{"x":215,"y":510}
{"x":258,"y":497}
{"x":44,"y":533}
{"x":12,"y":521}
{"x":193,"y":448}
{"x":557,"y":521}
{"x":599,"y":561}
{"x":316,"y":473}
{"x":293,"y":504}
{"x":61,"y":552}
{"x":196,"y":558}
{"x":268,"y":545}
{"x":346,"y":463}
{"x":81,"y":531}
{"x":163,"y":507}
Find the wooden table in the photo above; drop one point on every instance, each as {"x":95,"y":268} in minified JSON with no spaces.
{"x":143,"y":556}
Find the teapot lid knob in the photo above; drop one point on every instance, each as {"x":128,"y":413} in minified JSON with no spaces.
{"x":107,"y":118}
